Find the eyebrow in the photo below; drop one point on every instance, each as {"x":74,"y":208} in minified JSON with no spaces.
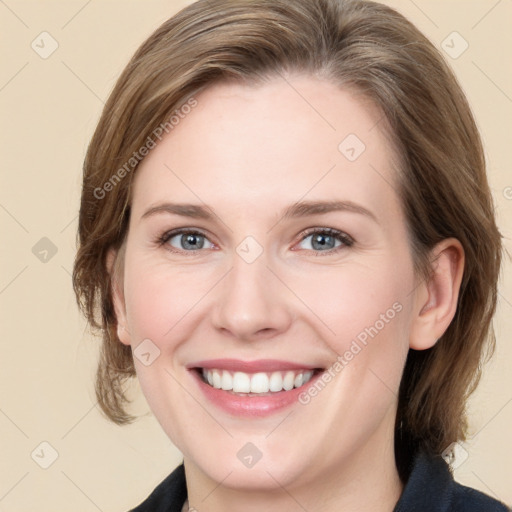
{"x":296,"y":210}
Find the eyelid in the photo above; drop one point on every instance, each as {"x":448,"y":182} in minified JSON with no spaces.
{"x":346,"y":239}
{"x":330,"y":231}
{"x":162,"y":239}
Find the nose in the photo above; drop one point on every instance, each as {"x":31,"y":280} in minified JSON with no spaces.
{"x":251,"y":303}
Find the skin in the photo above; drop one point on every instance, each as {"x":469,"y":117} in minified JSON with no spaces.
{"x":248,"y":152}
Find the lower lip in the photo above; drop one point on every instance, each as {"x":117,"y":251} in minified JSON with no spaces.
{"x":252,"y":406}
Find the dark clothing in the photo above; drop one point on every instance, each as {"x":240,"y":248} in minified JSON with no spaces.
{"x":168,"y":496}
{"x":430,"y":488}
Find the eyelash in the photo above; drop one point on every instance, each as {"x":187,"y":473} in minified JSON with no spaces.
{"x":346,"y":240}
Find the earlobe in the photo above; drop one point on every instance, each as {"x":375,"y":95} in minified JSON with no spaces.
{"x":436,"y":300}
{"x":118,"y":296}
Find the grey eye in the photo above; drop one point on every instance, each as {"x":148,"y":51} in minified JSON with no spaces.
{"x":320,"y":242}
{"x":189,"y":241}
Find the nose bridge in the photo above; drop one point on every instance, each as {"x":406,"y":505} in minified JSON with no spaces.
{"x":249,"y":302}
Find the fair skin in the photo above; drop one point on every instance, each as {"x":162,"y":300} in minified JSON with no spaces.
{"x":248,"y":153}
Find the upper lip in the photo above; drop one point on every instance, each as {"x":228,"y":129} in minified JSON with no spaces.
{"x":260,"y":365}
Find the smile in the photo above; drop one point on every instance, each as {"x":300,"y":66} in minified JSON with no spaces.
{"x":256,"y":383}
{"x":255,"y":388}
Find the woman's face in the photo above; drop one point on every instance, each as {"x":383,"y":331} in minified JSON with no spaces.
{"x":298,"y":263}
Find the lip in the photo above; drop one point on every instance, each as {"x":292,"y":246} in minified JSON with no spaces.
{"x":260,"y":365}
{"x":252,"y":406}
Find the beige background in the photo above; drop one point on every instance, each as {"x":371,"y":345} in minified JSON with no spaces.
{"x":49,"y":110}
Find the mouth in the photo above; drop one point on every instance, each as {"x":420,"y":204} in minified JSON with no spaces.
{"x":253,"y":389}
{"x":260,"y":384}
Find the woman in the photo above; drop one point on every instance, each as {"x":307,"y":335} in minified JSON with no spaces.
{"x":287,"y":234}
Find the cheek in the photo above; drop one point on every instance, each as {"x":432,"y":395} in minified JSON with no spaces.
{"x":366,"y":310}
{"x":158,"y":299}
{"x":162,"y":304}
{"x":356,"y":302}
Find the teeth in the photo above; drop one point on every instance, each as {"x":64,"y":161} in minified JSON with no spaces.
{"x":227,"y":380}
{"x":240,"y":382}
{"x":216,"y":380}
{"x":288,"y":381}
{"x":259,"y":383}
{"x":276,"y":382}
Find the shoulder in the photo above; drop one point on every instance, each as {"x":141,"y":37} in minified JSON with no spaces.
{"x":469,"y":500}
{"x":168,"y":496}
{"x":431,"y":488}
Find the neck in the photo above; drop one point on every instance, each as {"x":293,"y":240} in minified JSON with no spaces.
{"x":365,"y":481}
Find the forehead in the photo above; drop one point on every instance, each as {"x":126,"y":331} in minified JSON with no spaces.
{"x":273,"y":143}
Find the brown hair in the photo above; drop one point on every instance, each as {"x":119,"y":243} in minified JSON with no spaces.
{"x":443,"y":184}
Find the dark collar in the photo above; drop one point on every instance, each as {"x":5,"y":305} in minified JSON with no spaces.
{"x":430,"y":488}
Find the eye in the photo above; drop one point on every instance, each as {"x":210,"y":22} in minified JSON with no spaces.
{"x":325,"y":240}
{"x":318,"y":240}
{"x":186,"y":240}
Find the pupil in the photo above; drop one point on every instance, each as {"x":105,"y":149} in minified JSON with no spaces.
{"x":322,"y":242}
{"x":191,"y":242}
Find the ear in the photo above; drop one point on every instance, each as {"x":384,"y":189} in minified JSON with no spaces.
{"x":436,"y":300}
{"x":118,"y":296}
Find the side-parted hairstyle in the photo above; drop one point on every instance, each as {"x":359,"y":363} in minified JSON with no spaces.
{"x":357,"y":44}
